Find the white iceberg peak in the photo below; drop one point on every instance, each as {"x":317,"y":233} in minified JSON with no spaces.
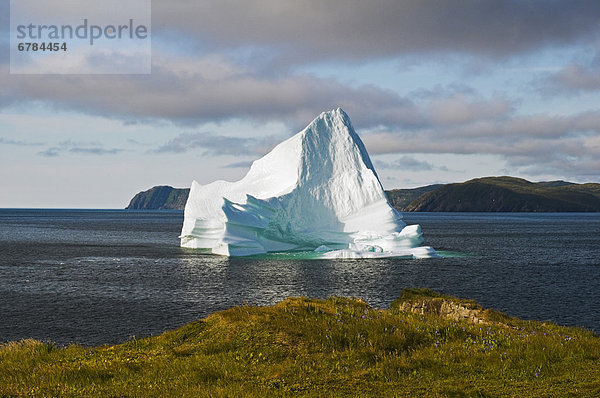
{"x":316,"y":189}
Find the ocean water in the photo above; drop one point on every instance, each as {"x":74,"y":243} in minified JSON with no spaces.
{"x":95,"y":276}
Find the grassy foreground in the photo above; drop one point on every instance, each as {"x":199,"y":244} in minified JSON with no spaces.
{"x":333,"y":347}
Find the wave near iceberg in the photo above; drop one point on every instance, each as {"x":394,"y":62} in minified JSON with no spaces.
{"x":316,"y":191}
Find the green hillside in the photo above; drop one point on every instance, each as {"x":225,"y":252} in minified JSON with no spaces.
{"x":401,"y":198}
{"x":425,"y":345}
{"x":509,"y":194}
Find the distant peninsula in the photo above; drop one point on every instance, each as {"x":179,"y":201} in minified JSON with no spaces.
{"x":501,"y":194}
{"x":488,"y":194}
{"x":160,"y":198}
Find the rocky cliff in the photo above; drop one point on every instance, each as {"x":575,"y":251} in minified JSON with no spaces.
{"x":160,"y":198}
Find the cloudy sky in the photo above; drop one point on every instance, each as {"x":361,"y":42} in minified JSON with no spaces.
{"x":440,"y":91}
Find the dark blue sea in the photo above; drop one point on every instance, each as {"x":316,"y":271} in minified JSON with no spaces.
{"x":96,"y":276}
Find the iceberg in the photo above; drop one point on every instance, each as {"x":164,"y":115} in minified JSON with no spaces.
{"x":316,"y":191}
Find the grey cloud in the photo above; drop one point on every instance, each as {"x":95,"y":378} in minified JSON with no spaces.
{"x":354,"y":29}
{"x":574,"y":78}
{"x":581,"y":168}
{"x":459,"y":109}
{"x":532,"y":157}
{"x":50,"y":152}
{"x":238,"y":165}
{"x":215,"y":145}
{"x":537,"y":125}
{"x":304,"y":30}
{"x":4,"y":53}
{"x":81,"y":148}
{"x":428,"y":142}
{"x":95,"y":151}
{"x":217,"y":89}
{"x":458,"y":104}
{"x":72,"y":9}
{"x":133,"y":142}
{"x":405,"y":163}
{"x":186,"y":98}
{"x":566,"y":145}
{"x":4,"y":141}
{"x":73,"y":143}
{"x":4,"y":34}
{"x":4,"y":15}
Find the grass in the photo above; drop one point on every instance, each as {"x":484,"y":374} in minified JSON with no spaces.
{"x":309,"y":347}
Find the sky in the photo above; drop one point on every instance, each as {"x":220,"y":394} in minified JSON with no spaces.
{"x":439,"y":91}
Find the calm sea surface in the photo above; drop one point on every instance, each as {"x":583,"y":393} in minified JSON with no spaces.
{"x":94,"y":276}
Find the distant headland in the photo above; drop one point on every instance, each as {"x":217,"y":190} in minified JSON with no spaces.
{"x":160,"y":198}
{"x":488,"y":194}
